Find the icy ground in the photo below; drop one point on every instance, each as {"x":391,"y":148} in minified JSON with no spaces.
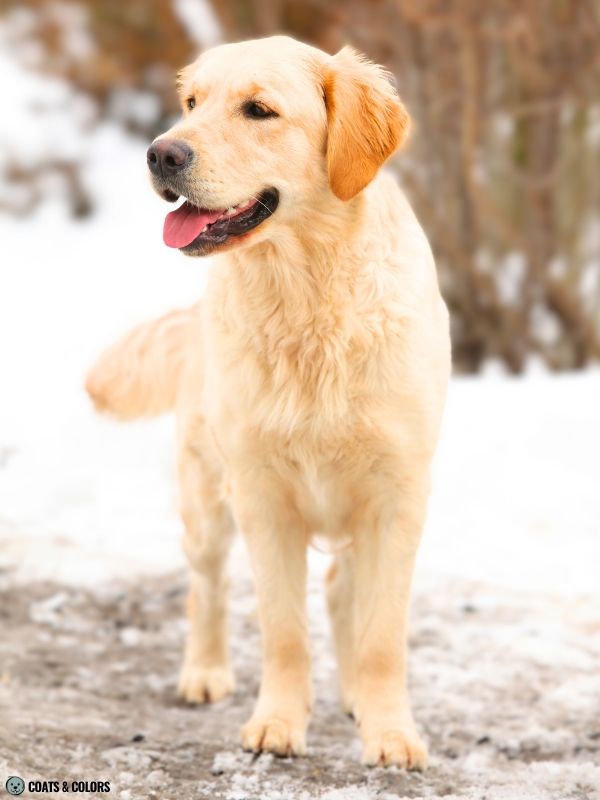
{"x":505,"y":642}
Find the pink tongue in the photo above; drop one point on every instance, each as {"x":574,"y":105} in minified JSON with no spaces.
{"x":184,"y":224}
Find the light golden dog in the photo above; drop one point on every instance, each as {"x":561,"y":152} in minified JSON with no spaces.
{"x":308,"y":384}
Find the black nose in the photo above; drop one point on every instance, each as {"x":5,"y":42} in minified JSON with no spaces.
{"x":168,"y":156}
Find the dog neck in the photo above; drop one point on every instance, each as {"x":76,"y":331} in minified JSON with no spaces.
{"x":315,"y":255}
{"x":299,"y":303}
{"x":296,"y":294}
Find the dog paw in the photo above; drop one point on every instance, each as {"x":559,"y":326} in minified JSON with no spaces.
{"x":401,"y":747}
{"x":274,"y":735}
{"x":205,"y":684}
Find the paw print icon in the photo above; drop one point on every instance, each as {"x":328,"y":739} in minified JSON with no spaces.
{"x":15,"y":785}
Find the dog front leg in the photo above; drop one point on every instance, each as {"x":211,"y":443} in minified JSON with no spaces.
{"x":277,"y":545}
{"x":385,"y":546}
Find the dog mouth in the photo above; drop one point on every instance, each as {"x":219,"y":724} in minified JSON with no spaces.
{"x":198,"y":231}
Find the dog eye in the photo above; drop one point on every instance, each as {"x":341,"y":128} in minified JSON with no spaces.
{"x":255,"y":110}
{"x":190,"y":103}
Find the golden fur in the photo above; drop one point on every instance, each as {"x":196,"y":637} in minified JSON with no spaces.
{"x":308,"y":385}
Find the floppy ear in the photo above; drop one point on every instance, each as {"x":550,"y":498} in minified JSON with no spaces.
{"x":366,"y":121}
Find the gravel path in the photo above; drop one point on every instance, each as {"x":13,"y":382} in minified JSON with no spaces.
{"x":505,"y":690}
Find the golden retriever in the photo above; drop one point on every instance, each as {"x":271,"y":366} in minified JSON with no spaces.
{"x":308,"y":384}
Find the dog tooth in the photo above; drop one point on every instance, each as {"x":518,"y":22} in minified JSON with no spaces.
{"x":231,"y":210}
{"x":204,"y":228}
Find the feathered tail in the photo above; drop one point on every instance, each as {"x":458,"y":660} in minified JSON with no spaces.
{"x":139,"y":374}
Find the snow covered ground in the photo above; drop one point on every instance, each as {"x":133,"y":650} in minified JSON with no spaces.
{"x":506,"y":633}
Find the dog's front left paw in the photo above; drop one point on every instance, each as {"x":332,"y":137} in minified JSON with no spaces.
{"x":205,"y":684}
{"x":274,"y":735}
{"x":402,"y":747}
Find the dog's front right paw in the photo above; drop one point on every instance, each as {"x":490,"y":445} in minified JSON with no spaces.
{"x":272,"y":734}
{"x":205,"y":684}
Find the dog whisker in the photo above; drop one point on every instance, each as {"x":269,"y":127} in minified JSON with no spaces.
{"x":258,"y":200}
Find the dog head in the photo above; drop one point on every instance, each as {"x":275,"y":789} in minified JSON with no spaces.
{"x":270,"y":127}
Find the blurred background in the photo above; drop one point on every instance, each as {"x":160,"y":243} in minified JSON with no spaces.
{"x":504,"y":172}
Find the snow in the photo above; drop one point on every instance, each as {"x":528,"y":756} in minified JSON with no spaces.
{"x":67,"y":289}
{"x":66,"y":114}
{"x":200,"y":21}
{"x":515,"y":499}
{"x":512,"y":535}
{"x":510,"y":274}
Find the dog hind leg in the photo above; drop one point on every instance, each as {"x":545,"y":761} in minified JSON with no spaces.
{"x":340,"y":602}
{"x":206,"y":675}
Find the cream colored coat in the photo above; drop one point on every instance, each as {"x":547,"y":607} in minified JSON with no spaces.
{"x":308,"y":385}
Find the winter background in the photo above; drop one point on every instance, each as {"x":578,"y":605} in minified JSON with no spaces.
{"x":505,"y":624}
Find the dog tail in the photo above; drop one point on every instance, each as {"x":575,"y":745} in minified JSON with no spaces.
{"x":139,"y":375}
